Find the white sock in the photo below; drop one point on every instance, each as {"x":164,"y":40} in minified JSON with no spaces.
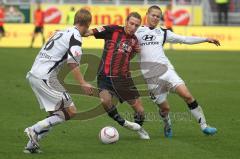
{"x":43,"y":133}
{"x":30,"y":145}
{"x":199,"y":116}
{"x":47,"y":123}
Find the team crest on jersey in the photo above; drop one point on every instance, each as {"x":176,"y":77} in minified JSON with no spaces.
{"x":77,"y":53}
{"x":100,"y":29}
{"x":158,"y":31}
{"x":125,"y":47}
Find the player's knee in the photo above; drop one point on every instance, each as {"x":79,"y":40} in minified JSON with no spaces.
{"x":106,"y":98}
{"x":61,"y":113}
{"x":106,"y":101}
{"x":159,"y":99}
{"x":66,"y":113}
{"x":71,"y":111}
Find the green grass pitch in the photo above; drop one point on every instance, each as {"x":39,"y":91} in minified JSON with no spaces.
{"x":212,"y":77}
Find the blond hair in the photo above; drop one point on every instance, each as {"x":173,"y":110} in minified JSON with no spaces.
{"x":82,"y":17}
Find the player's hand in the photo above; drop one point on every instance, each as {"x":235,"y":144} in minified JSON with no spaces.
{"x":87,"y":88}
{"x":137,"y":48}
{"x":88,"y":33}
{"x":213,"y":41}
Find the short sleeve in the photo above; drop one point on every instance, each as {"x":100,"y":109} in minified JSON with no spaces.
{"x":75,"y":49}
{"x":103,"y":31}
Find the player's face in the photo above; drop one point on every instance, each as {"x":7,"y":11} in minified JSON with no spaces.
{"x":153,"y":17}
{"x":132,"y":25}
{"x":85,"y":28}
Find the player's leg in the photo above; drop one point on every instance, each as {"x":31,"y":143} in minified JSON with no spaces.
{"x":225,"y":13}
{"x":110,"y":108}
{"x":219,"y":14}
{"x":158,"y":87}
{"x":39,"y":130}
{"x":35,"y":32}
{"x":139,"y":116}
{"x":139,"y":110}
{"x":107,"y":90}
{"x":164,"y":109}
{"x":58,"y":104}
{"x":33,"y":39}
{"x":195,"y":109}
{"x":1,"y":32}
{"x":42,"y":33}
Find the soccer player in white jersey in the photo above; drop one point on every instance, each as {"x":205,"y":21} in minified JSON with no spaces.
{"x":159,"y":73}
{"x":64,"y":47}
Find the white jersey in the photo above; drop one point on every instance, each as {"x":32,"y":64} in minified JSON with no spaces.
{"x":153,"y":60}
{"x":64,"y":46}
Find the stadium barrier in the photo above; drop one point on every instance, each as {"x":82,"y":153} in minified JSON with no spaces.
{"x":112,"y":14}
{"x":19,"y":35}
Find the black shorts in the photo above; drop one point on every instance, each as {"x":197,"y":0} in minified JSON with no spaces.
{"x":123,"y":88}
{"x":2,"y":31}
{"x":38,"y":29}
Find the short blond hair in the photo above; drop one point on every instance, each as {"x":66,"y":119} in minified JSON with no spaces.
{"x":82,"y":17}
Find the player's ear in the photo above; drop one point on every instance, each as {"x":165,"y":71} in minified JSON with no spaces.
{"x":126,"y":21}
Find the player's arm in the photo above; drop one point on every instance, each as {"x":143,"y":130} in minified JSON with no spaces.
{"x":88,"y":33}
{"x":87,"y":88}
{"x":176,"y":38}
{"x":137,"y":48}
{"x":73,"y":61}
{"x":100,"y":32}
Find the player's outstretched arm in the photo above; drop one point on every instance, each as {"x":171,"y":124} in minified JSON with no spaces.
{"x":87,"y":88}
{"x":176,"y":38}
{"x":213,"y":41}
{"x":88,"y":33}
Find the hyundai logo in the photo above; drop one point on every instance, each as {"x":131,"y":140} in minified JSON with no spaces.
{"x":148,"y":37}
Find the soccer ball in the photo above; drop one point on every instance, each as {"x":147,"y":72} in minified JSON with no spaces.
{"x":108,"y":135}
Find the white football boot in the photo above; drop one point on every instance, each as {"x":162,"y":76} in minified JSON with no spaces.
{"x":143,"y":134}
{"x":131,"y":125}
{"x":33,"y":137}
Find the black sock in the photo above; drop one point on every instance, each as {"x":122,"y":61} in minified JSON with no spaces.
{"x":113,"y":113}
{"x":139,"y":118}
{"x":193,"y":105}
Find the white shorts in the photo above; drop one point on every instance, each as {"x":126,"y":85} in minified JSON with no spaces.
{"x":160,"y":86}
{"x":49,"y":98}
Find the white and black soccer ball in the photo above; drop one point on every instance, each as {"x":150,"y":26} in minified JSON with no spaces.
{"x":108,"y":135}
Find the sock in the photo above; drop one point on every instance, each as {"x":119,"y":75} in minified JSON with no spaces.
{"x":165,"y":117}
{"x":43,"y":133}
{"x":113,"y":113}
{"x":197,"y":112}
{"x":30,"y":145}
{"x":139,"y":118}
{"x":47,"y":123}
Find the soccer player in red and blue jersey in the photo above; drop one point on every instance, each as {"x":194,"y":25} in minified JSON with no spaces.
{"x":114,"y":78}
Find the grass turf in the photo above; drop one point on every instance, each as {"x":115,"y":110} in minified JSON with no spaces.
{"x":212,"y":77}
